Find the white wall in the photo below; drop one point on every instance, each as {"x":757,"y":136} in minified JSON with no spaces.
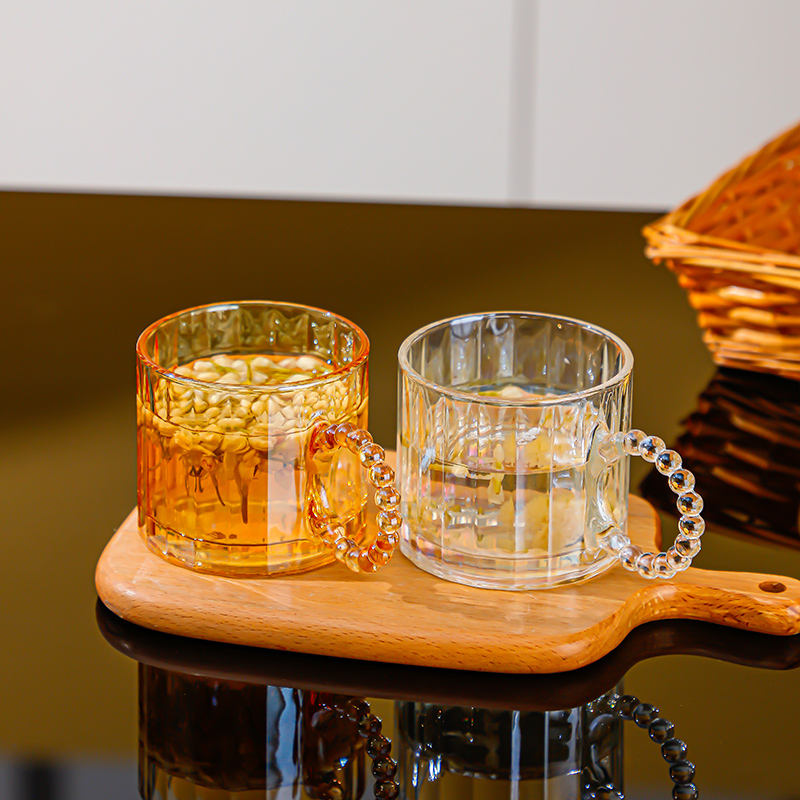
{"x":643,"y":103}
{"x":302,"y":98}
{"x":619,"y":103}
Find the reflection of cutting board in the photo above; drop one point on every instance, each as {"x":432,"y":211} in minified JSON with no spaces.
{"x":406,"y":616}
{"x":551,"y":692}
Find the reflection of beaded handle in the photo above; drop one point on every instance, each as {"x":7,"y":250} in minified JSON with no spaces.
{"x":661,"y":732}
{"x":691,"y":525}
{"x":378,"y":747}
{"x":381,"y":476}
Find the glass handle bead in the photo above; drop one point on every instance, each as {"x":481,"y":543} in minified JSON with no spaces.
{"x":662,"y":732}
{"x":691,"y":525}
{"x":368,"y":727}
{"x":373,"y":458}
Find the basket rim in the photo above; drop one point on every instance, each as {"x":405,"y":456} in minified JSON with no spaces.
{"x":668,"y":236}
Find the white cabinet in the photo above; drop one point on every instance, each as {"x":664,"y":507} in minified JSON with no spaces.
{"x":308,"y":98}
{"x":620,"y":103}
{"x":640,"y":104}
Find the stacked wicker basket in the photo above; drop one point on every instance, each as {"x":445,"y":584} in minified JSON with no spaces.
{"x":743,"y":444}
{"x":736,"y":251}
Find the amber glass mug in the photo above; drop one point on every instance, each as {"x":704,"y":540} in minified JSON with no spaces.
{"x":252,"y":441}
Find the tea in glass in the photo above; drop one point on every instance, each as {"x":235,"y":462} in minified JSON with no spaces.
{"x":230,"y":399}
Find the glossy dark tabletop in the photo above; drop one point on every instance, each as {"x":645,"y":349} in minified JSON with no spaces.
{"x":85,"y":273}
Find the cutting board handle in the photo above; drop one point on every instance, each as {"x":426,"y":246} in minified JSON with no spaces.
{"x":763,"y":603}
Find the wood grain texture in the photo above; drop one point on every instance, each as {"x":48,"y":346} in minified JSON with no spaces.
{"x":548,"y":692}
{"x":403,"y":615}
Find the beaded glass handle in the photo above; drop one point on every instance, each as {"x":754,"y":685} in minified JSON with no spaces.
{"x":387,"y":499}
{"x":325,"y":785}
{"x":690,"y":526}
{"x":627,"y":707}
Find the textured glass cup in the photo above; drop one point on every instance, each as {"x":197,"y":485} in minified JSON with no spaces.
{"x":512,"y":454}
{"x":448,"y":752}
{"x":252,"y":448}
{"x":203,"y":738}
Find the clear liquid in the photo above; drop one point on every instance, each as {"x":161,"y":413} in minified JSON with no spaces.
{"x":517,"y":513}
{"x":512,"y":490}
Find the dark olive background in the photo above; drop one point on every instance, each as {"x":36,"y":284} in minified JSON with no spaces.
{"x":83,"y":274}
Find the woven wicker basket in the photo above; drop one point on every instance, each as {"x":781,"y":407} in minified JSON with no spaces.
{"x":736,"y":251}
{"x":743,"y":442}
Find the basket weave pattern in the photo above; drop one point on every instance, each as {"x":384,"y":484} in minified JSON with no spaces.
{"x":736,"y":250}
{"x":743,"y":442}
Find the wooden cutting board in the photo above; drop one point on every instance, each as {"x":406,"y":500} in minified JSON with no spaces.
{"x":551,"y":692}
{"x":403,"y":615}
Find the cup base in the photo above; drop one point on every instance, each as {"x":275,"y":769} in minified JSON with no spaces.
{"x":488,"y":576}
{"x":234,"y":561}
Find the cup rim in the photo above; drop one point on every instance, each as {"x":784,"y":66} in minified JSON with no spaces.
{"x":620,"y":375}
{"x":361,"y":355}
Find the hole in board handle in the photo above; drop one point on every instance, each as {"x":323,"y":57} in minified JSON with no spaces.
{"x":772,"y":586}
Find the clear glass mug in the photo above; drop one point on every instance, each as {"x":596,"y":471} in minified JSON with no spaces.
{"x":252,"y":441}
{"x":513,"y":444}
{"x":449,"y":751}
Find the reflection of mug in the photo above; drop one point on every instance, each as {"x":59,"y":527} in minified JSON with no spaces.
{"x":444,"y":751}
{"x":513,"y":445}
{"x":204,"y":737}
{"x":252,"y":439}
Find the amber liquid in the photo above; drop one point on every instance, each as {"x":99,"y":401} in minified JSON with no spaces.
{"x":210,"y":739}
{"x":226,"y":479}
